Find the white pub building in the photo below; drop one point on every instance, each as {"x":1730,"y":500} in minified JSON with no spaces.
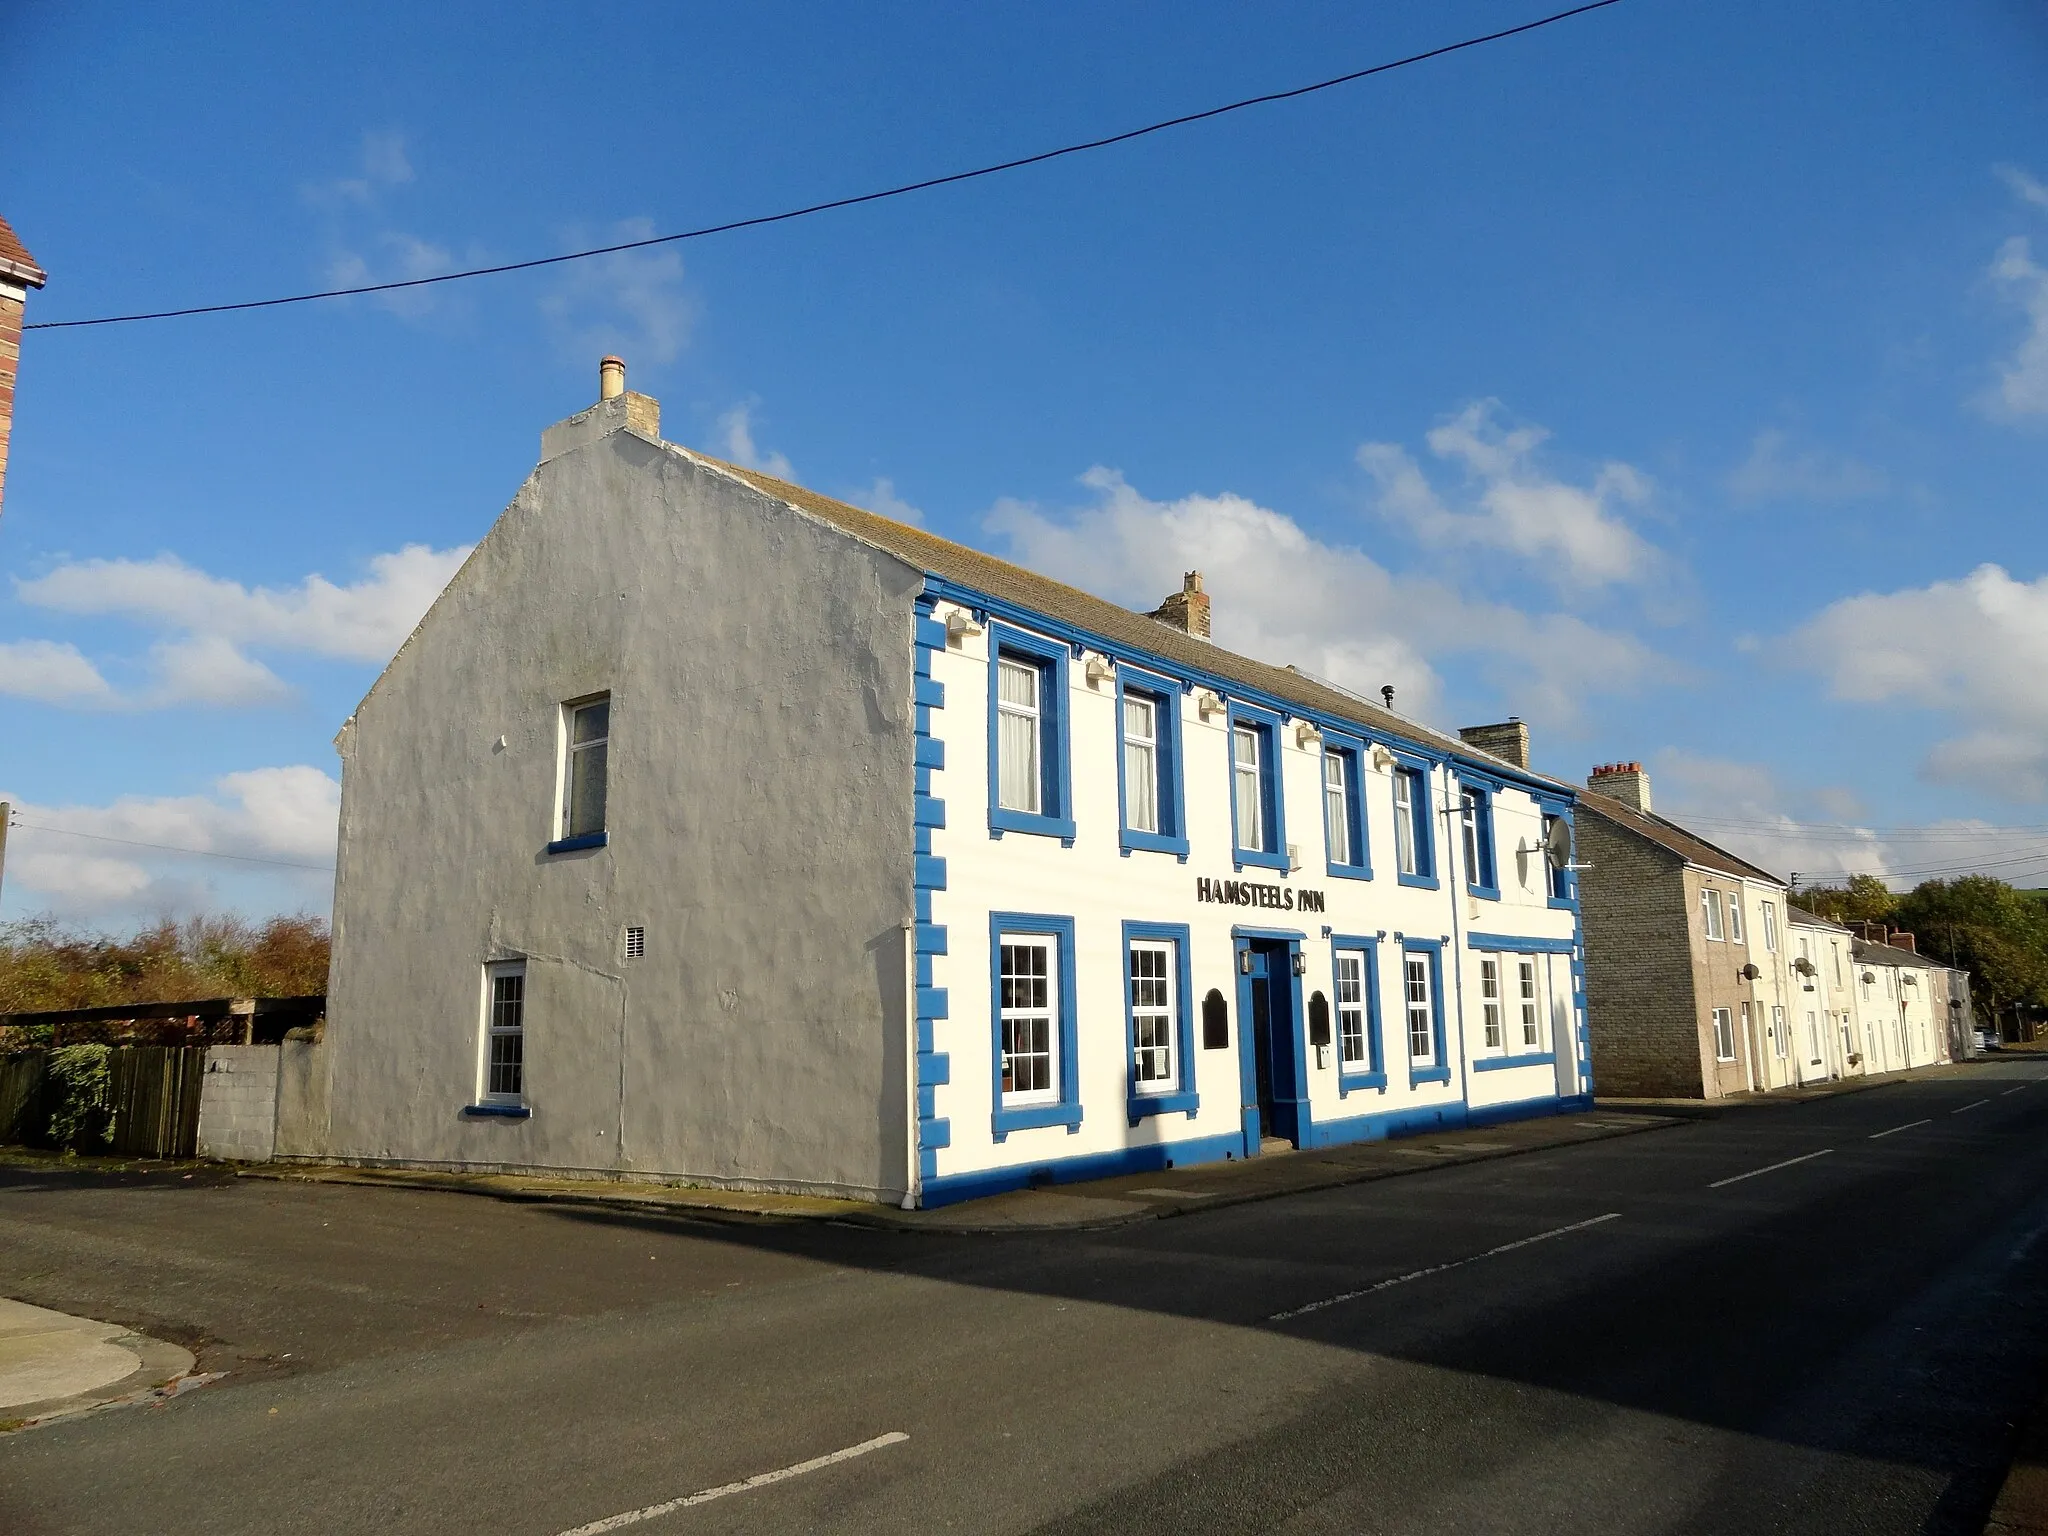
{"x":710,"y":829}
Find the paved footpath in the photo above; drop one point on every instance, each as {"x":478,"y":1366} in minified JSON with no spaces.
{"x":1826,"y":1317}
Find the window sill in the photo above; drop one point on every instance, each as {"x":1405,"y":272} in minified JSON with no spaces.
{"x":1484,"y":892}
{"x":577,"y":844}
{"x":1563,"y":904}
{"x":1252,"y":856}
{"x":1144,"y":1104}
{"x":1036,"y":1117}
{"x":496,"y":1112}
{"x":1353,"y":1082}
{"x":1349,"y":871}
{"x":1060,"y":827}
{"x":1152,"y":842}
{"x":1420,"y":882}
{"x":1420,"y":1075}
{"x":1508,"y":1063}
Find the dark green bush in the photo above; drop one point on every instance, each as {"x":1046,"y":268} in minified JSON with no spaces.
{"x":78,"y":1089}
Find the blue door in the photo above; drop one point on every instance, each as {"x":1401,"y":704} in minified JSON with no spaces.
{"x":1269,"y":1048}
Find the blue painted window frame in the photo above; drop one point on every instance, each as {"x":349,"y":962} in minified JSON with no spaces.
{"x":1056,"y":788}
{"x":1182,"y":1097}
{"x":1352,"y":750}
{"x":1422,"y":819}
{"x":1441,"y":1072}
{"x":1172,"y":836}
{"x":1512,"y":944}
{"x":1375,"y":1073}
{"x":1271,"y":807}
{"x":1032,"y":1117}
{"x":1561,"y":887}
{"x":1484,"y":881}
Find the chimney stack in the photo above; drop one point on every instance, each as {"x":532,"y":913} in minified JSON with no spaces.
{"x":18,"y":274}
{"x":1905,"y":941}
{"x":1625,"y":782}
{"x":1188,"y":609}
{"x":1508,"y":741}
{"x":617,"y":407}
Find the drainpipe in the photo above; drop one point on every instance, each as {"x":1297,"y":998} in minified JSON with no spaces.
{"x":1455,"y":846}
{"x":913,"y":1172}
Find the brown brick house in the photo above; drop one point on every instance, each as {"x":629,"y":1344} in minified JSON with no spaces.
{"x":1687,"y":988}
{"x":18,"y":274}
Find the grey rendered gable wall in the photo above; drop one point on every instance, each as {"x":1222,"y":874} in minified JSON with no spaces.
{"x":1641,"y":1010}
{"x":759,"y":663}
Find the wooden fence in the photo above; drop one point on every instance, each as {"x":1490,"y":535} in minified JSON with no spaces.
{"x":153,"y":1091}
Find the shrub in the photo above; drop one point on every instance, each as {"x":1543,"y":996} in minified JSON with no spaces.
{"x":78,"y":1086}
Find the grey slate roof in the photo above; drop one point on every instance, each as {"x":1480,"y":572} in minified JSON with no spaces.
{"x":1886,"y":954}
{"x":1668,"y":835}
{"x":1120,"y":626}
{"x":15,"y":261}
{"x":1806,"y":919}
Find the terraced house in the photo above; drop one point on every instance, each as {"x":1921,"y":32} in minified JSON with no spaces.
{"x":713,"y":829}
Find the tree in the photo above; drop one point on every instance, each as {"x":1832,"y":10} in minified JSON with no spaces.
{"x":1865,"y":899}
{"x":1984,"y":926}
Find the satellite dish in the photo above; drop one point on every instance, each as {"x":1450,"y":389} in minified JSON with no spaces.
{"x":1557,"y":843}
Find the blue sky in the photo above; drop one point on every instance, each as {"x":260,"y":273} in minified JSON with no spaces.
{"x":1675,"y":377}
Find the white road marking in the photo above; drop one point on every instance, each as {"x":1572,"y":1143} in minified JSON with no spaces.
{"x":2023,"y":1087}
{"x":758,"y":1480}
{"x":1437,"y":1269}
{"x":1874,"y":1135}
{"x":1978,"y":1105}
{"x":1773,"y":1168}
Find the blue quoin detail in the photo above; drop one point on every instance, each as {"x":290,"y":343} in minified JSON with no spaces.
{"x":496,"y":1112}
{"x":1373,"y":1074}
{"x":1182,"y":1095}
{"x":577,"y":844}
{"x":928,"y":875}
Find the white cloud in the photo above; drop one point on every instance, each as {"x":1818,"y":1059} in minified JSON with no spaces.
{"x":1776,"y":470}
{"x":881,"y":497}
{"x":631,"y":303}
{"x":2022,"y":388}
{"x":2024,"y":187}
{"x":50,"y":673}
{"x":381,"y":163}
{"x":736,"y":430}
{"x":216,"y":621}
{"x":1975,"y":649}
{"x":1574,"y":533}
{"x":1284,"y":596}
{"x":264,"y":818}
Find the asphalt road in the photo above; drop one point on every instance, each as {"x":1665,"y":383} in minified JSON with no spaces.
{"x":1841,"y":1344}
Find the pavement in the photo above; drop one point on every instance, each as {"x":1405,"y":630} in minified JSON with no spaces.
{"x":1828,"y":1318}
{"x":52,"y":1365}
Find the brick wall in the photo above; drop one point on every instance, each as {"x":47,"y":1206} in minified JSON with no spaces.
{"x":1640,"y":1005}
{"x":238,"y":1103}
{"x":11,"y":307}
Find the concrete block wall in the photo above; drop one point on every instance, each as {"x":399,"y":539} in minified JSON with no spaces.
{"x":1640,"y":1006}
{"x":238,"y":1103}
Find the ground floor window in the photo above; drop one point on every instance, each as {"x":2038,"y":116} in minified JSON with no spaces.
{"x":505,"y":1032}
{"x":1813,"y":1045}
{"x":1489,"y":1001}
{"x":1531,"y":1019}
{"x":1351,"y":1046}
{"x":1778,"y":1042}
{"x":1724,"y":1034}
{"x":1420,"y":997}
{"x":1028,"y":984}
{"x":1155,"y":1018}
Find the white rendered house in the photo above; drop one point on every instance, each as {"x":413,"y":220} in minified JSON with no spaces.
{"x":710,"y":829}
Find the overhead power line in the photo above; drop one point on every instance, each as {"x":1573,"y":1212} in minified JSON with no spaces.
{"x":197,"y":853}
{"x":846,"y":202}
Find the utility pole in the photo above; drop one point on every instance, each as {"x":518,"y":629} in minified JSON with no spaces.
{"x":6,"y":814}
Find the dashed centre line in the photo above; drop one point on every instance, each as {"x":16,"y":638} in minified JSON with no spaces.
{"x":1875,"y":1135}
{"x":1978,"y":1105}
{"x":1422,"y":1274}
{"x":2023,"y":1087}
{"x":1772,"y":1168}
{"x":745,"y":1485}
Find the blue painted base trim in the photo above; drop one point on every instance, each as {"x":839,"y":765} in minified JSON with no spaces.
{"x":577,"y":844}
{"x":1507,"y":1063}
{"x":1431,"y":1118}
{"x":496,"y":1112}
{"x":955,"y":1187}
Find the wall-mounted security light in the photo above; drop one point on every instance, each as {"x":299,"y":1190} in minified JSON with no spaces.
{"x":1306,"y":735}
{"x":1382,"y":759}
{"x":959,"y":625}
{"x":1099,"y":671}
{"x":1208,"y":702}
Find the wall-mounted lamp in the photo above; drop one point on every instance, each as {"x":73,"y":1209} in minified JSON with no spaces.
{"x":960,"y":624}
{"x":1306,"y":735}
{"x":1294,"y":858}
{"x":1244,"y":961}
{"x":1300,"y":963}
{"x":1382,"y":759}
{"x":1208,"y":702}
{"x":1099,"y":671}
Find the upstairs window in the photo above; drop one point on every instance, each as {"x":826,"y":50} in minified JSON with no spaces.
{"x":587,"y":735}
{"x":1476,"y":815}
{"x":1414,"y":855}
{"x":1710,"y":912}
{"x":1148,"y":764}
{"x":1141,"y":762}
{"x":1735,"y":917}
{"x":1770,"y":914}
{"x":1255,"y":789}
{"x":1343,"y":813}
{"x":1028,"y":784}
{"x":1560,"y":875}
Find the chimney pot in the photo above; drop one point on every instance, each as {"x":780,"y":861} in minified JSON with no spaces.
{"x":611,"y":378}
{"x":1625,"y":782}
